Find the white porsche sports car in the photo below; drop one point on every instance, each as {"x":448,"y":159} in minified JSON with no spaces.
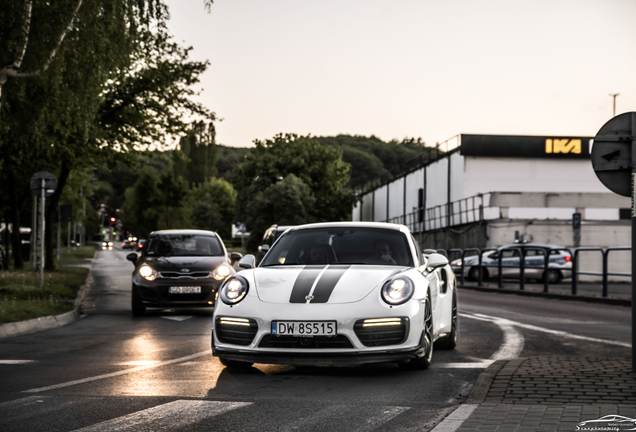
{"x":338,"y":293}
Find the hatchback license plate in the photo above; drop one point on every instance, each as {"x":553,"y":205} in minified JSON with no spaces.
{"x":185,"y":290}
{"x":304,"y":328}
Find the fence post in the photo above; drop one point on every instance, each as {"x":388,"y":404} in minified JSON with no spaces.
{"x":546,"y":269}
{"x":605,"y":266}
{"x":500,"y":269}
{"x":522,"y":267}
{"x":575,"y":271}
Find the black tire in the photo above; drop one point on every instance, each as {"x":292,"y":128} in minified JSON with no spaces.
{"x":235,"y":364}
{"x":554,"y":276}
{"x":137,"y":309}
{"x":473,"y":274}
{"x":450,"y":342}
{"x":423,"y":362}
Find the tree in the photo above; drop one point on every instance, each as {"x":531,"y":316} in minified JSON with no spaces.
{"x":195,"y":160}
{"x":320,"y":168}
{"x":213,"y":206}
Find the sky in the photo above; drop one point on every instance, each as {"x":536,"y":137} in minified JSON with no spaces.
{"x":411,"y":68}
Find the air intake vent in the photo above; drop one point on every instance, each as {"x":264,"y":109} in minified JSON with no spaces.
{"x":236,"y":331}
{"x":299,"y":342}
{"x":375,"y":332}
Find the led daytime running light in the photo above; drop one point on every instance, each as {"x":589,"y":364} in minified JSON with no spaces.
{"x":234,"y":321}
{"x":382,"y":322}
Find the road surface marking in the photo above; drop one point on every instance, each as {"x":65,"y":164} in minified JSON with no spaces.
{"x":377,"y":416}
{"x":477,"y":365}
{"x":176,"y":318}
{"x":482,"y":317}
{"x":119,"y":373}
{"x":12,"y":362}
{"x":137,"y":363}
{"x":170,"y":416}
{"x":455,"y":419}
{"x":513,"y":339}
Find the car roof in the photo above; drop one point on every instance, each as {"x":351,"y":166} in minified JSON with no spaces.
{"x":183,"y":232}
{"x":538,"y":245}
{"x":379,"y":225}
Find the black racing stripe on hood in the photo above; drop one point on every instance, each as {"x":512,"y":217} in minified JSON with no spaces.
{"x":328,"y":282}
{"x":303,"y":284}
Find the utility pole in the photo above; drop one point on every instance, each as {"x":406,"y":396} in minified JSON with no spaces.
{"x":614,"y":96}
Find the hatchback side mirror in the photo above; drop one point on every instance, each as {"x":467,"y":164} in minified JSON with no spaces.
{"x":132,"y":257}
{"x":247,"y":262}
{"x":235,"y":256}
{"x":436,"y":260}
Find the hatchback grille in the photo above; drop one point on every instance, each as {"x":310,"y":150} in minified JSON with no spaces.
{"x":338,"y":342}
{"x":381,"y":331}
{"x":237,"y":331}
{"x":178,"y":275}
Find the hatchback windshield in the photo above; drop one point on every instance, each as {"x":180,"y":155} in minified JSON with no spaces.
{"x":353,"y":245}
{"x":183,"y":245}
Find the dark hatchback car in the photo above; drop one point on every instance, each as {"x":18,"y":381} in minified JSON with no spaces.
{"x":179,"y":268}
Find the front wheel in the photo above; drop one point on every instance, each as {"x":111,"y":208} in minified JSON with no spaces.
{"x":423,"y":362}
{"x":450,"y":342}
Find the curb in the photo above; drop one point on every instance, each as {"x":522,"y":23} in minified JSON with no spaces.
{"x":610,"y":301}
{"x":34,"y":325}
{"x":480,"y":389}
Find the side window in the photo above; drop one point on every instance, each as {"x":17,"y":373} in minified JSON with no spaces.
{"x":510,"y":253}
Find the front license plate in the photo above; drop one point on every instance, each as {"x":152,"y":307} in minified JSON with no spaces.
{"x":304,"y":328}
{"x":185,"y":290}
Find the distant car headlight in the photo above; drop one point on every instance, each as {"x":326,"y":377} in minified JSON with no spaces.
{"x":221,"y":272}
{"x":234,"y":290}
{"x":147,"y":272}
{"x":397,"y":290}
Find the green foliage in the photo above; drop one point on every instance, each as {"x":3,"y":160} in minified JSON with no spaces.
{"x":155,"y":202}
{"x":229,"y":158}
{"x":319,"y":168}
{"x":213,"y":207}
{"x":195,"y":161}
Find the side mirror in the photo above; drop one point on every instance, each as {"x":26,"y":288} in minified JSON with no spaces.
{"x":264,"y":248}
{"x":235,"y":256}
{"x":247,"y":262}
{"x":132,"y":257}
{"x":436,"y":260}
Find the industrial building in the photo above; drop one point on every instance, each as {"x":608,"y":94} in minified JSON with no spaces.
{"x":489,"y":190}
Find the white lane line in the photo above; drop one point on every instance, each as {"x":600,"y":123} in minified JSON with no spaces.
{"x":26,"y":401}
{"x":477,"y":365}
{"x":170,"y":416}
{"x":119,"y":373}
{"x":176,"y":318}
{"x":455,"y":419}
{"x":513,"y":339}
{"x":482,"y":317}
{"x":13,"y":362}
{"x":137,"y":363}
{"x":373,"y":417}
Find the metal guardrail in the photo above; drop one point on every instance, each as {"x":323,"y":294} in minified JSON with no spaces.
{"x":546,"y":252}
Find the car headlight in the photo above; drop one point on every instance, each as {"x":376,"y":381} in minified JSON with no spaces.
{"x":147,"y":272}
{"x":398,"y":290}
{"x":234,"y":290}
{"x":221,"y":272}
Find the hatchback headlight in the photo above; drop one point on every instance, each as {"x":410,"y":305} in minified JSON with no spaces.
{"x":221,"y":272}
{"x":397,"y":290}
{"x":234,"y":290}
{"x":147,"y":272}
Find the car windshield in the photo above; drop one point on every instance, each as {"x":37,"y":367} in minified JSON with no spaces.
{"x":183,"y":245}
{"x":347,"y":245}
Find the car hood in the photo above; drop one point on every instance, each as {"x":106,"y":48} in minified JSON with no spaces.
{"x":324,"y":284}
{"x":179,"y":263}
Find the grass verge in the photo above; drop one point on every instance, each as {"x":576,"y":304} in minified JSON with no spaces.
{"x":21,"y":297}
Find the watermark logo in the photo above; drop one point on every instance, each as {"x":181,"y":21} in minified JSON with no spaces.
{"x":608,"y":423}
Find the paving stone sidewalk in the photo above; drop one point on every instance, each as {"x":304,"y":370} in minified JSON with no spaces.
{"x":553,"y":393}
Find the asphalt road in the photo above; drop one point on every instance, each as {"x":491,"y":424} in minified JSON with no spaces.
{"x":112,"y":372}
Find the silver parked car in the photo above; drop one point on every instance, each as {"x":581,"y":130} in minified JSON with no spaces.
{"x":560,"y":263}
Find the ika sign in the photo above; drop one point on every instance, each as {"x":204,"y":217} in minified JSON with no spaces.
{"x":526,"y":146}
{"x":563,"y":145}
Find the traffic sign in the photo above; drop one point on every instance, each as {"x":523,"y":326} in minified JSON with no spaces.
{"x":50,"y":183}
{"x":612,"y":153}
